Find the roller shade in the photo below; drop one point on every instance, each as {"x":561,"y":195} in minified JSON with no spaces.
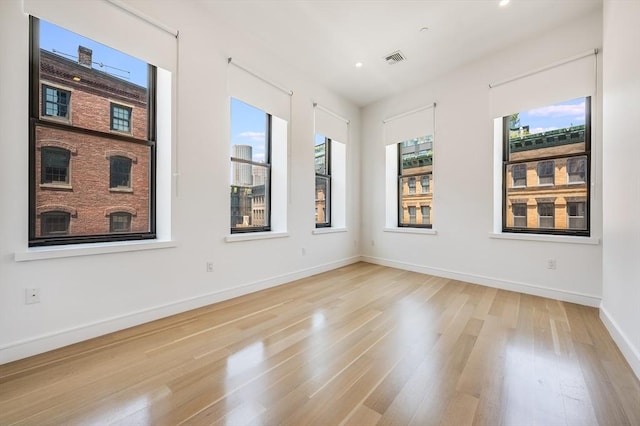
{"x":113,"y":26}
{"x":248,"y":87}
{"x":410,"y":125}
{"x":330,"y":126}
{"x":569,"y":79}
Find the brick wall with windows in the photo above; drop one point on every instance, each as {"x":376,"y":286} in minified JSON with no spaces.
{"x":87,"y":192}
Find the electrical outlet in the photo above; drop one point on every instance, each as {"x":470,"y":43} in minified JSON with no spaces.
{"x":209,"y":266}
{"x":31,"y":295}
{"x":551,"y":264}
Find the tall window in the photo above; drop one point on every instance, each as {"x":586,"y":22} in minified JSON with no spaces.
{"x":250,"y":168}
{"x":55,"y":102}
{"x":426,"y":215}
{"x":415,"y":162}
{"x":546,"y":140}
{"x":120,"y":171}
{"x":55,"y":165}
{"x":322,"y":151}
{"x":61,"y":58}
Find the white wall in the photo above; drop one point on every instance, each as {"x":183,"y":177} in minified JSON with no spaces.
{"x":620,"y":309}
{"x":463,"y":212}
{"x":84,"y":296}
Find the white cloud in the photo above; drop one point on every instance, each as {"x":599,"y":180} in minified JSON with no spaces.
{"x":559,"y":111}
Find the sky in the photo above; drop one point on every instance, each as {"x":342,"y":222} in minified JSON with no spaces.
{"x":249,"y":127}
{"x":556,"y":116}
{"x":65,"y":43}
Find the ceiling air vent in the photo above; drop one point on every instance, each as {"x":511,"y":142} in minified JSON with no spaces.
{"x":395,"y":57}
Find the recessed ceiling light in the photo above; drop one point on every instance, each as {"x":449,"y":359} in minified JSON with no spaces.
{"x":359,"y":64}
{"x":504,"y":2}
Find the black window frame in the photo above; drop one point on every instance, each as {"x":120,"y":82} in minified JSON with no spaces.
{"x":506,"y":163}
{"x":36,"y":121}
{"x":407,"y":176}
{"x":113,"y":118}
{"x":267,"y":165}
{"x":45,"y":103}
{"x":327,"y":176}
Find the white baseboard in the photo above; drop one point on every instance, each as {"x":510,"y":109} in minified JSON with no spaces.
{"x":566,"y":296}
{"x":630,"y":352}
{"x":46,"y":342}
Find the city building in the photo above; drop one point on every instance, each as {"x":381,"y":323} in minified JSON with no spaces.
{"x":86,"y":184}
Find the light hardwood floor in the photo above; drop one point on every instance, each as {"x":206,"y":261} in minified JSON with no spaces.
{"x":360,"y":345}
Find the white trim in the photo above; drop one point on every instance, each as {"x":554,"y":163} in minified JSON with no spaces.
{"x":629,"y":351}
{"x":565,"y":239}
{"x":73,"y":250}
{"x":410,"y":230}
{"x":527,"y":288}
{"x":319,"y":231}
{"x":248,"y":236}
{"x":46,"y":342}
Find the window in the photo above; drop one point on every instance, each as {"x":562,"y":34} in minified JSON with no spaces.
{"x":120,"y":118}
{"x":415,"y":161}
{"x":519,"y":211}
{"x":412,"y":185}
{"x":576,"y":214}
{"x":55,"y":166}
{"x":545,"y":139}
{"x":120,"y":173}
{"x":577,"y":170}
{"x":54,"y":223}
{"x":55,"y":102}
{"x":412,"y":214}
{"x":322,"y":151}
{"x":250,"y":168}
{"x":425,"y":211}
{"x":519,"y":174}
{"x":53,"y":143}
{"x":120,"y":222}
{"x":424,"y":184}
{"x":545,"y":172}
{"x":546,"y":215}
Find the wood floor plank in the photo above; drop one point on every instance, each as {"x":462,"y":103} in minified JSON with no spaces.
{"x":360,"y":345}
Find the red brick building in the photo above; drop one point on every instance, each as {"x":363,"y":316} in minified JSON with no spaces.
{"x":88,"y":182}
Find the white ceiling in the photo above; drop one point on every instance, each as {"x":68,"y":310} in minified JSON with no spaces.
{"x":325,"y":38}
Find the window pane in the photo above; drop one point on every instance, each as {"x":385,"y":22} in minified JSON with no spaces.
{"x":54,"y":223}
{"x":546,"y":172}
{"x":425,"y":184}
{"x":250,"y":169}
{"x":425,"y":212}
{"x":89,"y":192}
{"x":519,"y":212}
{"x":120,"y":222}
{"x":412,"y":214}
{"x":519,"y":174}
{"x":111,"y":91}
{"x":576,"y":212}
{"x":120,"y":172}
{"x":320,"y":154}
{"x":416,"y":155}
{"x":546,"y":213}
{"x":55,"y":166}
{"x":577,"y":170}
{"x":322,"y":197}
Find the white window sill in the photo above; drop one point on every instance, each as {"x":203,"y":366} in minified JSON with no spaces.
{"x":408,"y":230}
{"x":545,"y":238}
{"x":319,"y":231}
{"x":249,"y":236}
{"x":73,"y":250}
